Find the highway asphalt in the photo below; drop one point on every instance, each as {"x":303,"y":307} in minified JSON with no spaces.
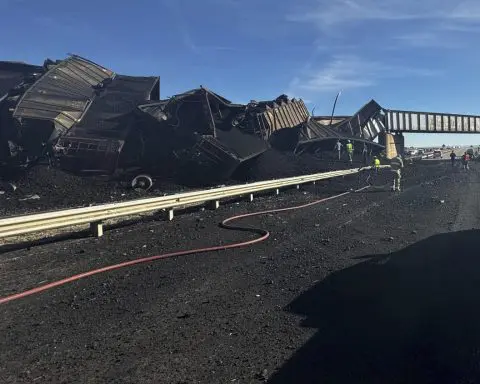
{"x":374,"y":287}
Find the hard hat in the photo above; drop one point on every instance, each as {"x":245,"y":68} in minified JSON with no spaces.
{"x":348,"y":141}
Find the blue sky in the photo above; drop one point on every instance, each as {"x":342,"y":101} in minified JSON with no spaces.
{"x":406,"y":54}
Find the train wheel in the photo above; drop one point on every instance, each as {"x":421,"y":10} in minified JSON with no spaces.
{"x":143,"y":182}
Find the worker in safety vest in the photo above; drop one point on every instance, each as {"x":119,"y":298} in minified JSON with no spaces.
{"x":372,"y":176}
{"x":396,"y":166}
{"x":349,"y":147}
{"x":376,"y":164}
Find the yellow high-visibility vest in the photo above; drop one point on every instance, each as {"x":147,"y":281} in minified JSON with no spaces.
{"x":349,"y":147}
{"x":377,"y":163}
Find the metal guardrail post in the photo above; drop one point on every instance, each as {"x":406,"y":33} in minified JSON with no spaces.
{"x":215,"y":204}
{"x":96,"y":228}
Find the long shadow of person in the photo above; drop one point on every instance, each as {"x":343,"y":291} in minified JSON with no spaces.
{"x":408,"y":317}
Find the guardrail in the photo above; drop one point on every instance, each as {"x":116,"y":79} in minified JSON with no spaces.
{"x":96,"y":215}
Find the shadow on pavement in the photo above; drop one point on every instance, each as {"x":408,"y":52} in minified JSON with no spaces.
{"x":412,"y":316}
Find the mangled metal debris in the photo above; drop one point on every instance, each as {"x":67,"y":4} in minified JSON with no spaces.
{"x":315,"y":137}
{"x":366,"y":123}
{"x":197,"y":130}
{"x":80,"y":114}
{"x":89,"y":120}
{"x":265,"y":118}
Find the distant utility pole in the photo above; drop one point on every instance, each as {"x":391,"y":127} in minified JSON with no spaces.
{"x":334,"y":105}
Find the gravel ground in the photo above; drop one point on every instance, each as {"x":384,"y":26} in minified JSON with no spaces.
{"x":371,"y":287}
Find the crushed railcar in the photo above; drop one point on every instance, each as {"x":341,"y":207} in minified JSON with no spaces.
{"x":367,"y":123}
{"x":314,"y":137}
{"x":200,"y":133}
{"x":288,"y":126}
{"x":88,"y":120}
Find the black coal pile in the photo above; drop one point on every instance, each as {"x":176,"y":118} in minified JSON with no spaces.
{"x":44,"y":189}
{"x":274,"y":164}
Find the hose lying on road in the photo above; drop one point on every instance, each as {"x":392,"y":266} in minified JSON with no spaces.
{"x":264,"y":234}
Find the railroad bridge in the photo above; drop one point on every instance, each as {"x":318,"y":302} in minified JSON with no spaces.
{"x":430,"y":122}
{"x":372,"y":121}
{"x":397,"y":122}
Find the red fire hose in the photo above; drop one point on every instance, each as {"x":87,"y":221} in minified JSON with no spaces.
{"x":264,"y":234}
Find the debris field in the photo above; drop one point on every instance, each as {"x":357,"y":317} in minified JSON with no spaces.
{"x":373,"y":286}
{"x":356,"y":289}
{"x":84,"y":119}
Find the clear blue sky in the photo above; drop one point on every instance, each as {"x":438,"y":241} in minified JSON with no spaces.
{"x":406,"y":54}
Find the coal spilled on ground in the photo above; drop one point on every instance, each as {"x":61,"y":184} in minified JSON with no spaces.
{"x":310,"y":304}
{"x":44,"y":188}
{"x":273,"y":164}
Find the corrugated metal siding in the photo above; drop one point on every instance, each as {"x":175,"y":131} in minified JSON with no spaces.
{"x":280,"y":116}
{"x":64,"y":93}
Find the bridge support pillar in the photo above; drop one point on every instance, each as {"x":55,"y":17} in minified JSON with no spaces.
{"x":394,"y":143}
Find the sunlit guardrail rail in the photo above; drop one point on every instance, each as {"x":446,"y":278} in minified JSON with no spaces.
{"x":95,"y":215}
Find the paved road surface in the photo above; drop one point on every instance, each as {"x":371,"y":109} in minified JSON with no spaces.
{"x":446,"y":154}
{"x":375,"y":287}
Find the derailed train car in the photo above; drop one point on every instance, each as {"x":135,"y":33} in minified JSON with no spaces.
{"x":88,"y":120}
{"x":79,"y":114}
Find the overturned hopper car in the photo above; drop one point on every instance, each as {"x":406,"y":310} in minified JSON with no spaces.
{"x":88,"y":120}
